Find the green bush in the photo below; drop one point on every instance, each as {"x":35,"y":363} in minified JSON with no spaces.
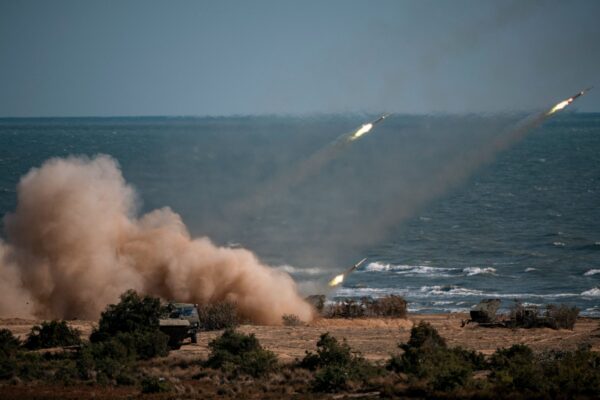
{"x":9,"y":343}
{"x":515,"y":369}
{"x":30,"y":366}
{"x":573,"y":374}
{"x":52,"y":334}
{"x":132,"y":324}
{"x":233,"y":351}
{"x":9,"y":347}
{"x":336,"y":365}
{"x":559,"y":374}
{"x":426,"y":357}
{"x":222,"y":315}
{"x":424,"y":335}
{"x":132,"y":314}
{"x":152,"y":384}
{"x":107,"y":360}
{"x":7,"y":367}
{"x":66,"y":372}
{"x":147,"y":344}
{"x":329,"y":351}
{"x":332,"y":378}
{"x":128,"y":332}
{"x":114,"y":360}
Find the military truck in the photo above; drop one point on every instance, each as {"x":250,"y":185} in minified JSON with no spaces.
{"x":484,"y":314}
{"x":180,"y":322}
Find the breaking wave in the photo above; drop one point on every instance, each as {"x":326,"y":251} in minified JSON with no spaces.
{"x":428,"y":271}
{"x":443,"y":292}
{"x":594,"y":292}
{"x":410,"y":270}
{"x":470,"y":271}
{"x":450,"y":290}
{"x":592,"y":272}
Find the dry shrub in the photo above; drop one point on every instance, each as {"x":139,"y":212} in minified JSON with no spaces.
{"x":348,"y":308}
{"x":391,"y":306}
{"x":222,"y":315}
{"x":291,"y":320}
{"x":555,"y":316}
{"x":562,"y":316}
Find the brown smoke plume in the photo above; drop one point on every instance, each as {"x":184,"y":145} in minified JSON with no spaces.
{"x":74,"y":245}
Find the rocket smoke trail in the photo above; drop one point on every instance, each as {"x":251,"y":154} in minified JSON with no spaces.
{"x":454,"y":172}
{"x":281,"y":184}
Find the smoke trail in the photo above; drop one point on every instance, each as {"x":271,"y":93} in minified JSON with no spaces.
{"x":452,"y":174}
{"x":74,"y":245}
{"x":279,"y":186}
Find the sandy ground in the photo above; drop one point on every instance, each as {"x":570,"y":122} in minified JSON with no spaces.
{"x":376,"y":339}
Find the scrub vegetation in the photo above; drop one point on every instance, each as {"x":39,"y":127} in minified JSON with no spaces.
{"x":125,"y":356}
{"x":391,"y":306}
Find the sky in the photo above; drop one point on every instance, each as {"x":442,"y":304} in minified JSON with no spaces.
{"x":220,"y":58}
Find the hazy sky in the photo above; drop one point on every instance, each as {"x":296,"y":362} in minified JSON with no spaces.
{"x":101,"y":58}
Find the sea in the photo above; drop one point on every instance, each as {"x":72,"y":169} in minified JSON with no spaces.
{"x":444,"y":215}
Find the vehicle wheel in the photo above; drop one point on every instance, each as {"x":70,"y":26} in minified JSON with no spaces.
{"x":194,"y":338}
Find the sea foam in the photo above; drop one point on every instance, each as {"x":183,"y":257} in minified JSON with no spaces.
{"x":592,"y":272}
{"x":470,"y":271}
{"x":594,"y":292}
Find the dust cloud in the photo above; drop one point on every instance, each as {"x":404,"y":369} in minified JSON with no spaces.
{"x":74,"y":244}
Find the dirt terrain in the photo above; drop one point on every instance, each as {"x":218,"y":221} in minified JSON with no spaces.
{"x":376,"y":339}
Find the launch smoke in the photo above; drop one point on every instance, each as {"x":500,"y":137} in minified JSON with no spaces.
{"x":74,"y":245}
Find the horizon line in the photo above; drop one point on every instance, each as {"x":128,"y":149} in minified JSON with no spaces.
{"x":286,"y":115}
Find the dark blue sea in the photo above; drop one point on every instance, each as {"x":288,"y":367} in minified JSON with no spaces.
{"x":445,"y":216}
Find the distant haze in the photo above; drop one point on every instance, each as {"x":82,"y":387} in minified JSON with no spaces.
{"x":103,"y":58}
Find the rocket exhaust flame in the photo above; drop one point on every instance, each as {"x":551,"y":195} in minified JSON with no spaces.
{"x":337,"y":280}
{"x":340,"y":278}
{"x":560,"y":106}
{"x":366,"y":128}
{"x":566,"y":102}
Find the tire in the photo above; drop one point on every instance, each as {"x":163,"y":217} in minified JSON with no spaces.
{"x":194,"y":338}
